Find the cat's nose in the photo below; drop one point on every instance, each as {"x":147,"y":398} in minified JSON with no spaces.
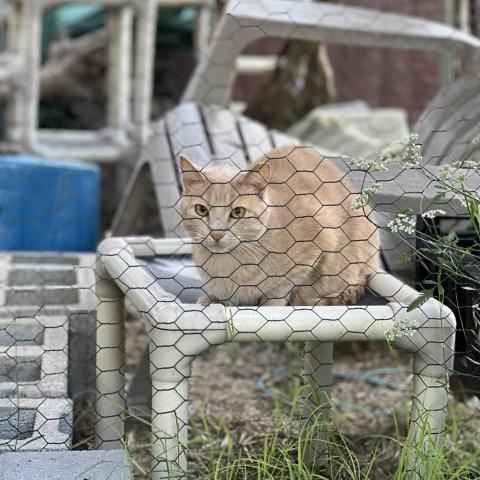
{"x":217,"y":234}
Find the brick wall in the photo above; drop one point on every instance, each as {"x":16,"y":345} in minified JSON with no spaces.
{"x":382,"y":77}
{"x":387,"y":77}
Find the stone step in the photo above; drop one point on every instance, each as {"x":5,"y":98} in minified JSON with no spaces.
{"x":41,"y":285}
{"x":81,"y":465}
{"x":47,"y":346}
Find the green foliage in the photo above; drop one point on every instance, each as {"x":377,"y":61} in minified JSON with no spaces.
{"x":421,"y":299}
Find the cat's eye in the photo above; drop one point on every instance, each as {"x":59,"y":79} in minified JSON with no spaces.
{"x":201,"y":210}
{"x":237,"y":212}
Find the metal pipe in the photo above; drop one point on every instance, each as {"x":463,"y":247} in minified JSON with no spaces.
{"x":110,"y":362}
{"x":180,"y":332}
{"x":316,"y":412}
{"x":120,"y":27}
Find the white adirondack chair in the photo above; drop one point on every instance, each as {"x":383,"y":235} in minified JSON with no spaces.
{"x":204,"y":129}
{"x":202,"y":126}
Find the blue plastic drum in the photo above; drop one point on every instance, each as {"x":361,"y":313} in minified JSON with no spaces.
{"x":48,"y":205}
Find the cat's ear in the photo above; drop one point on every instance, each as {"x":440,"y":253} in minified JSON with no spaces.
{"x":258,"y":176}
{"x":191,"y":174}
{"x":265,"y":171}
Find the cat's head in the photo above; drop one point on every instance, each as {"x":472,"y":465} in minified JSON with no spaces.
{"x":222,"y":206}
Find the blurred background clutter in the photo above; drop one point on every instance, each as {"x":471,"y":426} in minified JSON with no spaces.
{"x":83,"y":81}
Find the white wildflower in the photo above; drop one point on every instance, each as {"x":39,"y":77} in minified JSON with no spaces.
{"x":444,"y":173}
{"x":372,"y":164}
{"x":363,"y":199}
{"x":412,"y":157}
{"x":402,"y":223}
{"x":405,"y":327}
{"x":391,"y":154}
{"x":433,"y":213}
{"x":467,"y":164}
{"x":394,"y":152}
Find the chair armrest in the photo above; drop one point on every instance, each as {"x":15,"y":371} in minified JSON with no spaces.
{"x":247,"y":20}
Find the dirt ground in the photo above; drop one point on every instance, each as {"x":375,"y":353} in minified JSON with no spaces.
{"x":225,"y":395}
{"x":240,"y":394}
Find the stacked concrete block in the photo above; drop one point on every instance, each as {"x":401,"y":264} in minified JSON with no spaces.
{"x":47,"y":282}
{"x":35,"y":424}
{"x":45,"y":300}
{"x":34,"y":357}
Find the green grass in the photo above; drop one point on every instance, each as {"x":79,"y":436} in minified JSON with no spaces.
{"x":219,"y":451}
{"x":359,"y":447}
{"x":280,"y":455}
{"x":224,"y":445}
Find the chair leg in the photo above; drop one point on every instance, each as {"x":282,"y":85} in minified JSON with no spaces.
{"x":170,"y":370}
{"x":316,"y":415}
{"x":175,"y":340}
{"x":428,"y":417}
{"x":110,"y":364}
{"x":169,"y":429}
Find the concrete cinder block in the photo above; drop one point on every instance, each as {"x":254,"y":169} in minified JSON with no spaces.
{"x":35,"y":424}
{"x":48,"y":281}
{"x":81,"y":355}
{"x":34,"y":356}
{"x":43,"y":285}
{"x":81,"y":465}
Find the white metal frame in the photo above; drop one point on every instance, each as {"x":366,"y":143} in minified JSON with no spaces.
{"x":179,"y":332}
{"x":128,"y":105}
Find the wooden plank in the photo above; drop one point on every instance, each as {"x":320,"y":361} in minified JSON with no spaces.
{"x":187,"y":134}
{"x":459,"y":121}
{"x":408,"y":189}
{"x":447,"y":111}
{"x":222,"y":130}
{"x":165,"y":178}
{"x":132,"y":202}
{"x":256,"y":138}
{"x":462,"y":143}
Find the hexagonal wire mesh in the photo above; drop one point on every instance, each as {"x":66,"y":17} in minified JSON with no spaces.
{"x":284,"y":238}
{"x":265,"y":239}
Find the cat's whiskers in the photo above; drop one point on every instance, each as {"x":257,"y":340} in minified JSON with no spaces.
{"x":252,"y":249}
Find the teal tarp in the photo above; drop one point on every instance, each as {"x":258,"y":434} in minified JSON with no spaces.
{"x":175,"y":25}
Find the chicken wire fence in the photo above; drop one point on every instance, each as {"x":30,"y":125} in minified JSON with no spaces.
{"x":258,"y":284}
{"x":267,"y":228}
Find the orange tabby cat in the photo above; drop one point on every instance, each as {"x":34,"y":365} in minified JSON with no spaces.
{"x":282,"y":232}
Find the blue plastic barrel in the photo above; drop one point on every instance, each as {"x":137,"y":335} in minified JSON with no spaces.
{"x":48,"y":205}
